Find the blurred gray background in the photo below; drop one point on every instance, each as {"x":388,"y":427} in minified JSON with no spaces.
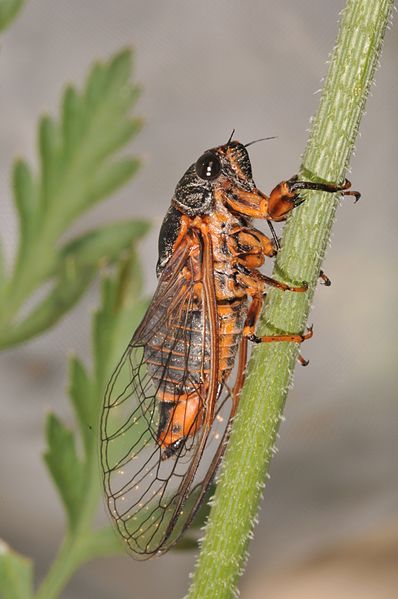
{"x":329,"y":520}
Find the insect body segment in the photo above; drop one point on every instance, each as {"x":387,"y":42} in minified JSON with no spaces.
{"x":169,"y":404}
{"x":182,"y":346}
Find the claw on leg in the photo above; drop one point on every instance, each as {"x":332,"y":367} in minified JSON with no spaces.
{"x":302,"y":360}
{"x":295,"y":186}
{"x":324,"y":279}
{"x":345,"y":187}
{"x":286,"y":196}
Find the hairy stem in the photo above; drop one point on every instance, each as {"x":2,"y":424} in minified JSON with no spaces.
{"x":305,"y":239}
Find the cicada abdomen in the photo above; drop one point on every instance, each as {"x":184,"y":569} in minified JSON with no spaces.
{"x":178,"y":361}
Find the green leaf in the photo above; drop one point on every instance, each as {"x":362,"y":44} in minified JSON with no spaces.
{"x":104,"y":243}
{"x":82,"y":396}
{"x":65,"y":467}
{"x":25,"y":194}
{"x":49,"y":146}
{"x":73,"y":118}
{"x":66,"y":292}
{"x":96,"y":86}
{"x":78,"y":264}
{"x":110,"y":178}
{"x":119,"y":316}
{"x":8,"y":11}
{"x":94,"y":126}
{"x":79,"y":167}
{"x":15,"y":574}
{"x":119,"y":69}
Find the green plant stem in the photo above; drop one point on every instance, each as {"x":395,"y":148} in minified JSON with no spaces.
{"x":71,"y":554}
{"x":83,"y":543}
{"x":61,"y":570}
{"x":305,"y":239}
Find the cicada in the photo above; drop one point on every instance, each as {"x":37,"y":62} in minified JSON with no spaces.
{"x":169,"y":404}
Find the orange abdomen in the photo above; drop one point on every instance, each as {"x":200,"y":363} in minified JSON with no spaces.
{"x":183,"y":380}
{"x":231,"y":317}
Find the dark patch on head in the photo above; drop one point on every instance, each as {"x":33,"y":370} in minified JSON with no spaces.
{"x":193,"y":195}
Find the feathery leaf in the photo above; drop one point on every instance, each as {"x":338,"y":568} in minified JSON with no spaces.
{"x":78,"y":167}
{"x":65,"y":466}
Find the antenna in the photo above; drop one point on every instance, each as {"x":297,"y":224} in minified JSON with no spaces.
{"x":257,"y":140}
{"x":231,"y":136}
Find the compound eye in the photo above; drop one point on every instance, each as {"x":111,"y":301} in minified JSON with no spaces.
{"x":208,"y":167}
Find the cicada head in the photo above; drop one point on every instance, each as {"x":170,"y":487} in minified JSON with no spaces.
{"x":218,"y":167}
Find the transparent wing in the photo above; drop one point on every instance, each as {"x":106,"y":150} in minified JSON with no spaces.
{"x":152,"y":499}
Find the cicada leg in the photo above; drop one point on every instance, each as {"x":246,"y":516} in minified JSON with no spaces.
{"x":256,"y":281}
{"x":249,"y":335}
{"x":302,"y":360}
{"x":251,"y":321}
{"x":289,"y":338}
{"x":324,"y":279}
{"x":286,"y":195}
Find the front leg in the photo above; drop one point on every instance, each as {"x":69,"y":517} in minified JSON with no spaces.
{"x":286,"y":196}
